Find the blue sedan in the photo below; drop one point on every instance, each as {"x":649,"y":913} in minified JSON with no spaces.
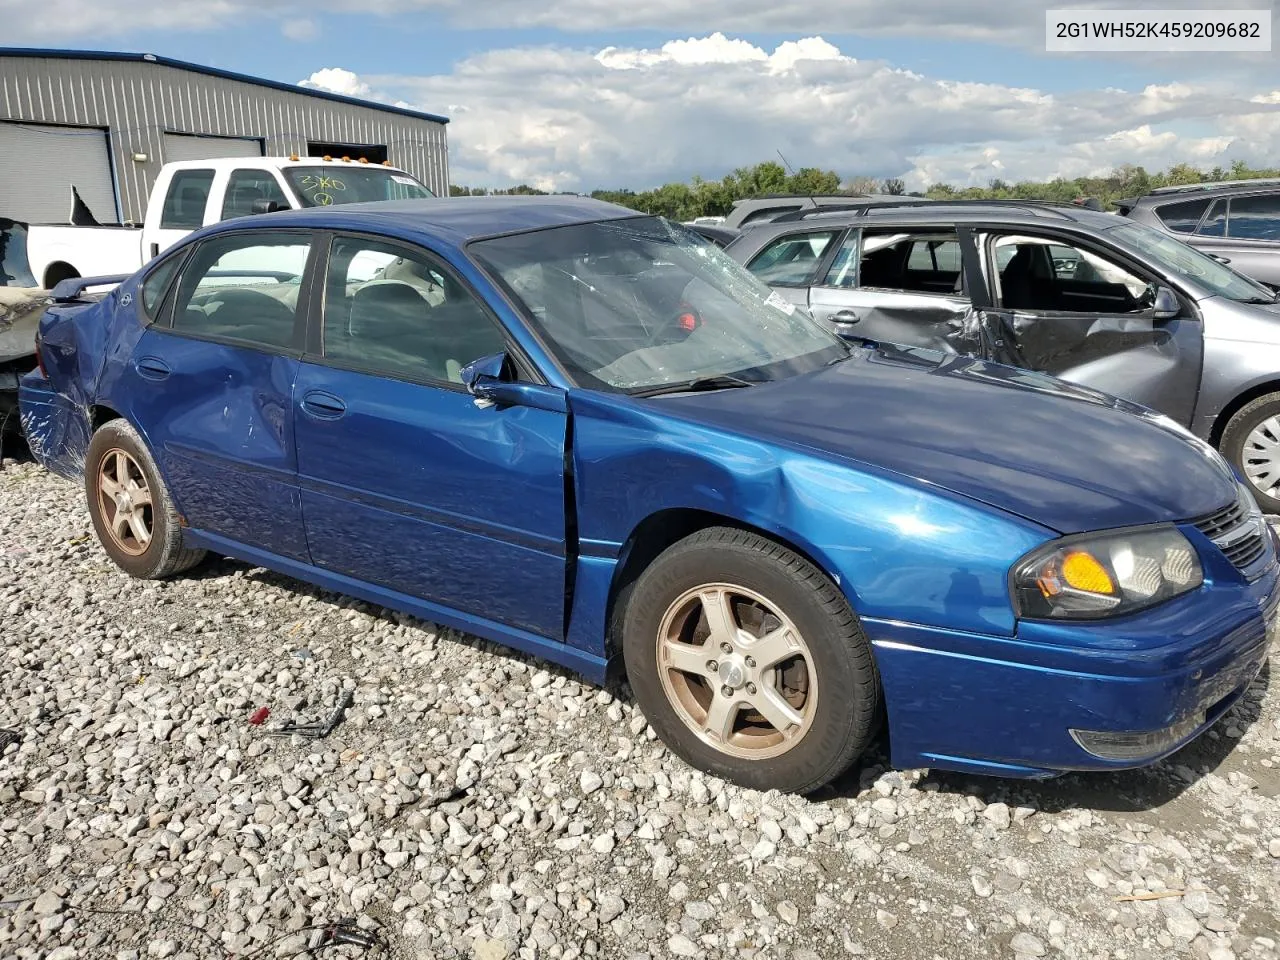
{"x":591,"y":436}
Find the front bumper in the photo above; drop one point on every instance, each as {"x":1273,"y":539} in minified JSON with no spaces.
{"x":1007,"y":706}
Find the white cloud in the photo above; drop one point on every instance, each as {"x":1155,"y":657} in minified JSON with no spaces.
{"x":300,"y":29}
{"x":562,"y":118}
{"x":337,"y":80}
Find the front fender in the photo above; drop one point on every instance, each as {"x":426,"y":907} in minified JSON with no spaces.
{"x":898,"y":549}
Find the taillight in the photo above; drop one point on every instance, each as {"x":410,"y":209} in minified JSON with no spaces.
{"x":40,"y":360}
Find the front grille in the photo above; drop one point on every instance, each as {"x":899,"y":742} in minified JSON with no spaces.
{"x":1238,"y":532}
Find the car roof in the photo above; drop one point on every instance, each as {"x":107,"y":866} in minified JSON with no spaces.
{"x":1200,"y":191}
{"x":946,"y":212}
{"x":271,"y":163}
{"x":450,"y":220}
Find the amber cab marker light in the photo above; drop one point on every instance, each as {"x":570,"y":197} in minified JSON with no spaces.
{"x":364,"y":159}
{"x":293,"y":156}
{"x":326,"y":158}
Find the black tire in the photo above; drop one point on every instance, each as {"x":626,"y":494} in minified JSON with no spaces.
{"x":1235,"y":437}
{"x":845,"y":712}
{"x":163,"y":555}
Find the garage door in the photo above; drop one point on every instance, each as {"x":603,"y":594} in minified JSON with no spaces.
{"x":41,"y":163}
{"x":186,"y":146}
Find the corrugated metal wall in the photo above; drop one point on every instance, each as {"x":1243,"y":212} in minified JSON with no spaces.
{"x":138,"y":102}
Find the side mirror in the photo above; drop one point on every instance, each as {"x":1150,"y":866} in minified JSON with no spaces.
{"x":1166,"y":305}
{"x":265,"y":206}
{"x":491,"y":380}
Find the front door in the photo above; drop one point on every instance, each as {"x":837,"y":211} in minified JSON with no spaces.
{"x":212,"y":382}
{"x":407,"y":482}
{"x":1080,"y":312}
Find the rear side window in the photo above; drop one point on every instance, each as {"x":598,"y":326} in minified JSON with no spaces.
{"x":1184,"y":216}
{"x":243,"y":288}
{"x":793,"y":259}
{"x":185,"y":202}
{"x":1255,"y":218}
{"x":246,"y":187}
{"x":1215,"y":224}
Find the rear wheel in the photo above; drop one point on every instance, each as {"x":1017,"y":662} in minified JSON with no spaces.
{"x":1251,"y":442}
{"x":132,"y":511}
{"x":749,"y":663}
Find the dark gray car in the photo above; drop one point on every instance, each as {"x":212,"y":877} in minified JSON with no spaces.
{"x":1236,"y":220}
{"x":1092,"y":298}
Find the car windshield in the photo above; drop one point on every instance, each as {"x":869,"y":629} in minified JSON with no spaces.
{"x":322,"y":186}
{"x":1188,"y":263}
{"x":641,"y":304}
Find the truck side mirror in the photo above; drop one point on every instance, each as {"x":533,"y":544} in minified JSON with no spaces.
{"x":265,"y":206}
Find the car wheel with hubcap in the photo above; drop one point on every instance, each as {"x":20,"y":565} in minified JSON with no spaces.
{"x":749,"y":663}
{"x":1251,"y":442}
{"x":132,"y":511}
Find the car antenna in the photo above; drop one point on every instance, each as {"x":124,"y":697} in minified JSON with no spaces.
{"x":791,"y":170}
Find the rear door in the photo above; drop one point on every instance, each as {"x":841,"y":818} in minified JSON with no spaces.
{"x":1081,"y":311}
{"x":407,"y":482}
{"x":211,"y":388}
{"x":900,"y":285}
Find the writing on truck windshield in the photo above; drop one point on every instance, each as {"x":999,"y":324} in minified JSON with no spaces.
{"x":327,"y":185}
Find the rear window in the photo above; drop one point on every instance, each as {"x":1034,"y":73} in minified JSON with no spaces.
{"x":185,"y":202}
{"x":1184,"y":216}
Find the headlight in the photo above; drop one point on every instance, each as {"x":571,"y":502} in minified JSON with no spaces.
{"x":1091,"y":576}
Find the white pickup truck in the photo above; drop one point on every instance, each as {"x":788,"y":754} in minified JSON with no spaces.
{"x":191,"y":194}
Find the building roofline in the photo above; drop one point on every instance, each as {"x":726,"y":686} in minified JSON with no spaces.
{"x":50,"y":54}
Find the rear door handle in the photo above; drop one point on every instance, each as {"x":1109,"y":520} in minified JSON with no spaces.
{"x":323,"y":406}
{"x":151,"y":368}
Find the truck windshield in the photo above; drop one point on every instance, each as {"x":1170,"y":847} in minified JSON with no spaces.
{"x":1190,"y":264}
{"x":322,"y":186}
{"x":642,"y":305}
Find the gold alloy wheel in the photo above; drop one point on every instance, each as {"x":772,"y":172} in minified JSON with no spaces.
{"x":124,"y":500}
{"x":737,"y":671}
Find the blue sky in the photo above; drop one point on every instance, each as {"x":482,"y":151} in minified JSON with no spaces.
{"x":583,"y":93}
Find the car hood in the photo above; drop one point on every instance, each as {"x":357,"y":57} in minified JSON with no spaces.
{"x":1063,"y":456}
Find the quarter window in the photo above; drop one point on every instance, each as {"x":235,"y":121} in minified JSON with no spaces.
{"x":157,"y":284}
{"x":395,"y":311}
{"x":1215,"y":224}
{"x":243,"y":288}
{"x":246,"y":187}
{"x":1184,"y":216}
{"x":1255,"y":218}
{"x":185,"y":202}
{"x":793,"y":259}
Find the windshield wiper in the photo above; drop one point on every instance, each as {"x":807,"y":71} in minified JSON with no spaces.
{"x":722,"y":381}
{"x":1258,"y":300}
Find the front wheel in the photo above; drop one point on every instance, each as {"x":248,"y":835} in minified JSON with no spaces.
{"x":1251,"y":442}
{"x":748,"y":662}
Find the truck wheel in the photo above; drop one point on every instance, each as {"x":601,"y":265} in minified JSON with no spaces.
{"x":132,"y":511}
{"x":1251,"y":442}
{"x":58,"y":272}
{"x":749,"y":663}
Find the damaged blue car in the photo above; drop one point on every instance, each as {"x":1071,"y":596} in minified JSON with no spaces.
{"x":591,"y":436}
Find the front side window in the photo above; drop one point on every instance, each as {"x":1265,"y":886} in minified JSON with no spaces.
{"x":1183,"y":216}
{"x":185,"y":202}
{"x":791,"y":260}
{"x":330,"y":184}
{"x":245,"y":188}
{"x":642,"y":305}
{"x":395,"y":311}
{"x":1055,"y":276}
{"x":1255,"y":218}
{"x":243,"y":288}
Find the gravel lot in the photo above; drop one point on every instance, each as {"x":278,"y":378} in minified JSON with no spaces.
{"x":477,"y":803}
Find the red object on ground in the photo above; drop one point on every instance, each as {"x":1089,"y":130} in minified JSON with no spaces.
{"x":259,"y":716}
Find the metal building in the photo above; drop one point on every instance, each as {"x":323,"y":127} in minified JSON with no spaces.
{"x":107,"y":122}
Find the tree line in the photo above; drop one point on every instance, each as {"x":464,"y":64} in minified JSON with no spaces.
{"x":710,"y":198}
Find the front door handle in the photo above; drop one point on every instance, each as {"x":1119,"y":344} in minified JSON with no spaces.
{"x":323,"y":406}
{"x":151,"y":368}
{"x":845,"y":316}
